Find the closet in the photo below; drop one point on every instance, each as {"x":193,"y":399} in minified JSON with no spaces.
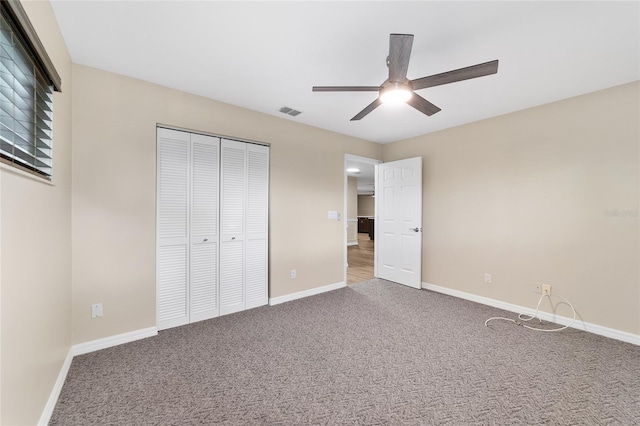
{"x":211,"y":226}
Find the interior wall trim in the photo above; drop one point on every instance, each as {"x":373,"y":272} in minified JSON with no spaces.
{"x":85,"y":348}
{"x":118,"y":339}
{"x":305,"y":293}
{"x":215,"y":135}
{"x":545,"y":316}
{"x":55,"y":392}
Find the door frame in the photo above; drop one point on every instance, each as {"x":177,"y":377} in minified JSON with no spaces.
{"x":373,"y":162}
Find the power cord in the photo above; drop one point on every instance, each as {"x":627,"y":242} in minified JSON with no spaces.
{"x":524,"y":317}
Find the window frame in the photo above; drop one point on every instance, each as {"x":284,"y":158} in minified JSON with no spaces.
{"x":14,"y":13}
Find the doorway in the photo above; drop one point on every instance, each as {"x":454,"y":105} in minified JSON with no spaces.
{"x":359,"y":177}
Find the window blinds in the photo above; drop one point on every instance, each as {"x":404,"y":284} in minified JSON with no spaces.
{"x":26,"y":105}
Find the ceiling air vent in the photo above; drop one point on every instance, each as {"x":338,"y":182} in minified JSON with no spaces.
{"x":290,"y":111}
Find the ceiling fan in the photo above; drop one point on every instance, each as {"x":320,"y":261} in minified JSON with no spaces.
{"x":398,"y":88}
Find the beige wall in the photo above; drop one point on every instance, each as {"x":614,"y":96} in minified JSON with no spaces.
{"x":352,"y":197}
{"x":352,"y":210}
{"x":36,"y":257}
{"x":114,"y":172}
{"x":526,"y":197}
{"x":366,"y":205}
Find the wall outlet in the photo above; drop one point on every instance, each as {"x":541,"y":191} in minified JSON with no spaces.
{"x":294,"y":274}
{"x":487,"y":278}
{"x":538,"y":288}
{"x":546,"y":289}
{"x":96,"y":310}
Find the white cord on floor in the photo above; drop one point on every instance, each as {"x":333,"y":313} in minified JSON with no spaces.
{"x":525,"y":318}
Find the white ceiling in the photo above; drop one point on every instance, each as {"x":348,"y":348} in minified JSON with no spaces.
{"x":265,"y":55}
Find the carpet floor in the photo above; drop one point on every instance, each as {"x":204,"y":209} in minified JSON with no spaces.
{"x":375,"y":353}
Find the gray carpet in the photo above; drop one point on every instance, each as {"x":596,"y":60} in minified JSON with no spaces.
{"x":375,"y":353}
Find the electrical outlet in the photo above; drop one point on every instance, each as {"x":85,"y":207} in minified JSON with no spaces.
{"x":487,"y":278}
{"x":294,"y":274}
{"x":538,"y":288}
{"x":546,"y":289}
{"x":96,"y":310}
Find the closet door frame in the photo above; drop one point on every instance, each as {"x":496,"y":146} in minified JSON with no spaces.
{"x":260,"y":265}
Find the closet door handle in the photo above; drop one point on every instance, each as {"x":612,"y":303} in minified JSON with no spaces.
{"x":205,"y":240}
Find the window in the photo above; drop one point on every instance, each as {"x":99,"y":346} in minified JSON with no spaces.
{"x":27,"y":82}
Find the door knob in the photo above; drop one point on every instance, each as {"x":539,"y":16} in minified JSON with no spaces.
{"x":205,"y":240}
{"x":415,"y":229}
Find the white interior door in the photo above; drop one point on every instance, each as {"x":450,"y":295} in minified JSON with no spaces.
{"x":399,"y":221}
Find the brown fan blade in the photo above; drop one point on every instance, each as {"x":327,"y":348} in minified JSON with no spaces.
{"x":422,"y":105}
{"x":467,"y":73}
{"x":399,"y":54}
{"x":345,"y":88}
{"x":373,"y":105}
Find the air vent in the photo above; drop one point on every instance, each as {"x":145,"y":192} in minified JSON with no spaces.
{"x":290,"y":111}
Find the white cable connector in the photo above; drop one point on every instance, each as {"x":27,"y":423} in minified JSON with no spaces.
{"x":525,"y":317}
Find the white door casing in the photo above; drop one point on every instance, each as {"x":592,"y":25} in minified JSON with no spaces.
{"x":399,"y":221}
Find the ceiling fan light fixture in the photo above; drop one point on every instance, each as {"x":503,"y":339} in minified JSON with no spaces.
{"x":399,"y":89}
{"x":396,"y":93}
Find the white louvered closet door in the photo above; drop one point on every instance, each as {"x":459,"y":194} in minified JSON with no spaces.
{"x":204,"y":227}
{"x":212,"y":227}
{"x":233,"y":198}
{"x":257,"y":225}
{"x":172,"y":228}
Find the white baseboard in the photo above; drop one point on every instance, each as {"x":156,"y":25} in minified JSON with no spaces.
{"x":55,"y":392}
{"x":305,"y":293}
{"x":85,"y":348}
{"x":118,"y":339}
{"x":352,"y":243}
{"x":558,"y":319}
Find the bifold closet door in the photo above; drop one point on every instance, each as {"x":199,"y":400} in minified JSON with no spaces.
{"x":257,"y":220}
{"x":203,"y":288}
{"x":233,"y":200}
{"x":244,"y":207}
{"x":212,"y":227}
{"x":187,"y":227}
{"x":172,"y":263}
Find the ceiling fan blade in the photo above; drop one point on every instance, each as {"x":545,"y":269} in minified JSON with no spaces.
{"x":399,"y":54}
{"x":466,"y":73}
{"x":422,"y":105}
{"x":345,"y":88}
{"x":373,"y":105}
